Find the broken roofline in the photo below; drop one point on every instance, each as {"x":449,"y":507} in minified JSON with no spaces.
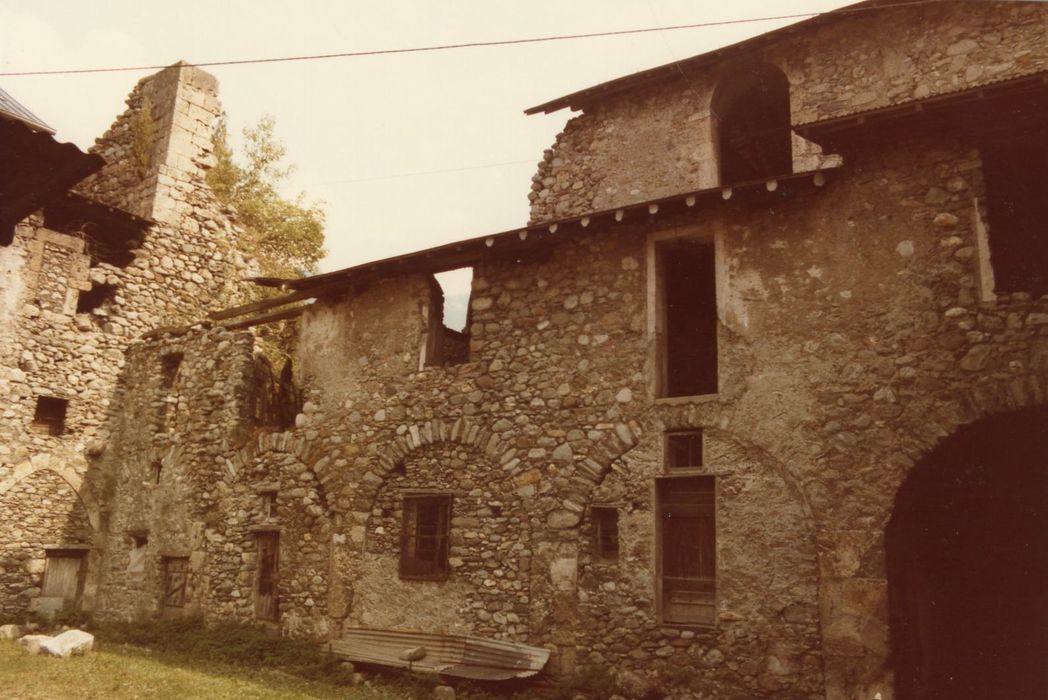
{"x":678,"y":69}
{"x":522,"y":240}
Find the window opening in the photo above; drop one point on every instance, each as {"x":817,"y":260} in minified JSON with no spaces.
{"x":448,"y":337}
{"x":169,"y":366}
{"x":687,"y":549}
{"x":266,"y":598}
{"x":269,"y":504}
{"x":1017,"y":209}
{"x":684,"y":449}
{"x":605,"y":532}
{"x":136,"y":561}
{"x":688,"y":317}
{"x":175,"y":578}
{"x":424,"y":537}
{"x":99,"y":297}
{"x":751,"y":112}
{"x":50,"y":415}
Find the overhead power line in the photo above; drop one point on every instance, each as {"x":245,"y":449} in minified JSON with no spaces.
{"x":476,"y":44}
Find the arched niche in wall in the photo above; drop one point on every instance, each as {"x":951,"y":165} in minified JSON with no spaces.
{"x":751,"y":123}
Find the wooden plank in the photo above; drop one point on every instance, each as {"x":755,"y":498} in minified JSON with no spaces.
{"x":282,"y":315}
{"x":261,"y":305}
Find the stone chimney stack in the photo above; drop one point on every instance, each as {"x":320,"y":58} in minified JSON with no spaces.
{"x":158,"y":151}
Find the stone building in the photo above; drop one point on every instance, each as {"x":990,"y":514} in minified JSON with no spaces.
{"x":752,"y":408}
{"x":96,"y":249}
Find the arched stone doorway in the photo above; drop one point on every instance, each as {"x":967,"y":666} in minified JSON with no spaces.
{"x":967,"y":560}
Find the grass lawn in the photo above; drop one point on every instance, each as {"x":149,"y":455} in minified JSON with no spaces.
{"x":127,"y":672}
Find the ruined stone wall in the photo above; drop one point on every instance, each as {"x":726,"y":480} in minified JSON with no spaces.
{"x":179,"y":428}
{"x":178,"y":266}
{"x":659,"y":141}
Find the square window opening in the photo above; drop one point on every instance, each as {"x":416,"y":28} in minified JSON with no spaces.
{"x":424,"y":537}
{"x":686,"y":274}
{"x":50,"y":415}
{"x":687,"y":546}
{"x":683,"y":449}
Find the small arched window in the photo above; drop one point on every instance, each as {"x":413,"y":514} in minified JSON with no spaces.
{"x":751,"y":112}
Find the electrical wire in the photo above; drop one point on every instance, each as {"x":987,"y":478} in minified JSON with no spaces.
{"x":476,"y":44}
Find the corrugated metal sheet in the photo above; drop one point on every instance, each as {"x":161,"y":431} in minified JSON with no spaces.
{"x":10,"y":107}
{"x":453,"y":655}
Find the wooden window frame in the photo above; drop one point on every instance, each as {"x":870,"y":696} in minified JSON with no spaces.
{"x":269,"y":503}
{"x":662,"y":326}
{"x":434,"y":566}
{"x":662,"y":484}
{"x":668,"y":451}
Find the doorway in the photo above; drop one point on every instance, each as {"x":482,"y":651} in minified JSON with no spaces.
{"x":967,"y":562}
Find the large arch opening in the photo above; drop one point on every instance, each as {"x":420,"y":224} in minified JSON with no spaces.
{"x":751,"y":112}
{"x":967,"y":560}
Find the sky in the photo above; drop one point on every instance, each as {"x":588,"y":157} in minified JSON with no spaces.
{"x":405,"y":151}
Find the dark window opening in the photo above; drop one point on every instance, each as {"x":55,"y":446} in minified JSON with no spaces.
{"x":99,"y":297}
{"x":687,"y":547}
{"x":169,"y":365}
{"x":684,"y":449}
{"x":447,"y":340}
{"x":751,"y":111}
{"x":688,"y":317}
{"x":424,"y":537}
{"x":267,"y":605}
{"x":175,"y":579}
{"x":50,"y":415}
{"x":158,"y":469}
{"x":605,"y":532}
{"x":1017,"y":209}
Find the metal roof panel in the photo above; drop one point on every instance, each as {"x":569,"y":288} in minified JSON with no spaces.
{"x":13,"y":109}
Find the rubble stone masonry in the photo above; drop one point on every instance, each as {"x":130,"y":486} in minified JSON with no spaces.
{"x":156,"y":156}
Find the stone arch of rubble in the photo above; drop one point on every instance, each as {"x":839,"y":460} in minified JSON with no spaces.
{"x":286,"y":443}
{"x":588,"y":471}
{"x":969,"y":404}
{"x":69,"y":475}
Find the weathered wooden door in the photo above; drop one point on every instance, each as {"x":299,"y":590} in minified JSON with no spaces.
{"x":266,"y":601}
{"x":176,"y":574}
{"x":62,"y":577}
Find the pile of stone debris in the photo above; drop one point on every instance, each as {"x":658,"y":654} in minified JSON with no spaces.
{"x":70,"y":642}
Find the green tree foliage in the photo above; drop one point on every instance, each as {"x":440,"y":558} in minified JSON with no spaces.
{"x":286,"y":236}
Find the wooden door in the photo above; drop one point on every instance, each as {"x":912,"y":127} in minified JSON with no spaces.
{"x":266,"y":582}
{"x":62,"y":577}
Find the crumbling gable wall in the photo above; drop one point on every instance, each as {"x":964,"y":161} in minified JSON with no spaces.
{"x":661,"y":140}
{"x":69,"y":308}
